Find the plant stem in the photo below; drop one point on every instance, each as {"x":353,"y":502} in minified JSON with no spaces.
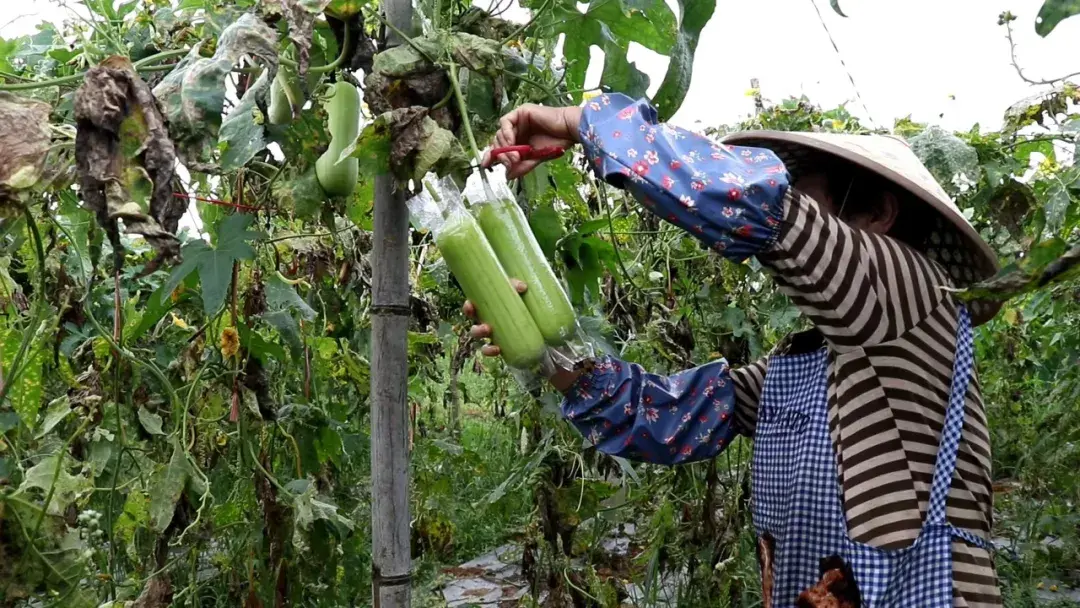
{"x":513,"y":35}
{"x":62,"y":453}
{"x":602,"y":194}
{"x":464,"y":110}
{"x":330,"y":67}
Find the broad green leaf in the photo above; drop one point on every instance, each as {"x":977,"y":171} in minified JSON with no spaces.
{"x":547,"y":227}
{"x":66,"y":488}
{"x":241,"y":136}
{"x":214,"y":264}
{"x":260,"y":347}
{"x":695,"y":14}
{"x":328,"y":445}
{"x":287,"y":326}
{"x":282,"y":296}
{"x":1053,"y":12}
{"x":1024,"y":150}
{"x":150,"y":421}
{"x":649,"y":23}
{"x":8,"y":421}
{"x":622,"y":75}
{"x":361,"y":205}
{"x":945,"y":155}
{"x":610,"y":25}
{"x":56,"y":412}
{"x":308,"y":507}
{"x":166,"y":485}
{"x":7,"y":52}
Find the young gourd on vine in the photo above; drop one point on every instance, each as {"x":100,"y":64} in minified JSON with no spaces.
{"x":337,"y":175}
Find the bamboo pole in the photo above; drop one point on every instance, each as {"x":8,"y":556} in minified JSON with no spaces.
{"x":391,"y":562}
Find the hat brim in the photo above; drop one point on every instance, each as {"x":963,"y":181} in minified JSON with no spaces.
{"x":976,"y":262}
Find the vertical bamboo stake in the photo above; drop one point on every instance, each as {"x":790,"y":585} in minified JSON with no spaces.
{"x":391,"y":562}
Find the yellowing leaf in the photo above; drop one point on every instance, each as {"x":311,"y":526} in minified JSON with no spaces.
{"x":1010,"y":316}
{"x":26,"y":393}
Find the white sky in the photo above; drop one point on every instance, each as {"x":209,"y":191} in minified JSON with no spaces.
{"x":906,"y":56}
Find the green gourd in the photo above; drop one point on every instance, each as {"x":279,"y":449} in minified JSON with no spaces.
{"x":476,"y":268}
{"x":286,"y":97}
{"x":343,"y":123}
{"x":510,"y":236}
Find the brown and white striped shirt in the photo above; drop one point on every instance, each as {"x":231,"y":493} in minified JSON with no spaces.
{"x":891,"y":333}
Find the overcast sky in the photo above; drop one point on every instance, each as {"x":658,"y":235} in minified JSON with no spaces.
{"x":923,"y":57}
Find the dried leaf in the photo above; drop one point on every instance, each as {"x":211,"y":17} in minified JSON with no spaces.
{"x":113,"y":102}
{"x":415,"y":142}
{"x":1010,"y":204}
{"x":24,"y":141}
{"x":1046,"y":263}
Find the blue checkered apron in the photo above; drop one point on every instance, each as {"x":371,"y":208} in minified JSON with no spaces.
{"x":797,"y":498}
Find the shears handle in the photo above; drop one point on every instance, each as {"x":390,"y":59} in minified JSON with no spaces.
{"x":531,"y":153}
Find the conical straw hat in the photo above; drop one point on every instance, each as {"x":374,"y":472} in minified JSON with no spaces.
{"x":949,"y":238}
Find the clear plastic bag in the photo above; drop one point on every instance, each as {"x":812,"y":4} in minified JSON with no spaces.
{"x":507,"y":230}
{"x":476,"y":267}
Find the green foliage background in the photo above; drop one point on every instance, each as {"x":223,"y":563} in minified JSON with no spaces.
{"x":198,"y":435}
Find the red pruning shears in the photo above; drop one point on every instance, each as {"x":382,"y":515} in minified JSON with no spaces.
{"x":528,"y":152}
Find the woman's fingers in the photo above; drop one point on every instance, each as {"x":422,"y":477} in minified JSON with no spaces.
{"x":469,"y":309}
{"x":519,"y":285}
{"x":490,"y":350}
{"x":480,"y":331}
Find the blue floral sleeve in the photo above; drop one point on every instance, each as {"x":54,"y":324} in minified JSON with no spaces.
{"x":627,"y":412}
{"x":729,"y":197}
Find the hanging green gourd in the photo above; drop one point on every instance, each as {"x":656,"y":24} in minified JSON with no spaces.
{"x":286,"y":96}
{"x":338,"y":177}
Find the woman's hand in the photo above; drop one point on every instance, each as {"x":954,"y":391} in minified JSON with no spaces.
{"x":482,"y":331}
{"x":536,"y":126}
{"x":562,"y":380}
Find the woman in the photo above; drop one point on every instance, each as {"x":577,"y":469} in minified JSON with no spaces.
{"x":871,"y":456}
